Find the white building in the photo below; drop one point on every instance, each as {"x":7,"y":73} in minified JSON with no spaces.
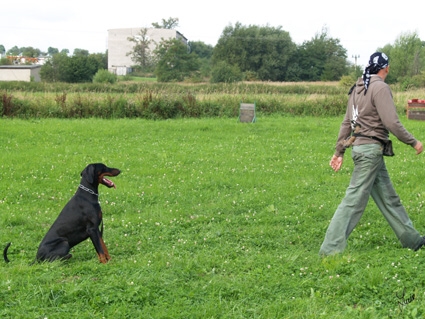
{"x":25,"y":73}
{"x":119,"y":61}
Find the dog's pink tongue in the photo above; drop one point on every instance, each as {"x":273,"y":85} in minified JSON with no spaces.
{"x":109,"y":183}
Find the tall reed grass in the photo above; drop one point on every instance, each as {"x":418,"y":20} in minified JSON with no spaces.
{"x":164,"y":101}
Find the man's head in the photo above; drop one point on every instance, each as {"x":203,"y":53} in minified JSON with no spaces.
{"x":378,"y":60}
{"x":378,"y":64}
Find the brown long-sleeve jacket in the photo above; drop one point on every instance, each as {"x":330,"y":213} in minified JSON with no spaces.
{"x":375,"y":112}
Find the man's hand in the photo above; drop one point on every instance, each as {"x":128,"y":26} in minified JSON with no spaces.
{"x":336,"y":163}
{"x":419,"y":147}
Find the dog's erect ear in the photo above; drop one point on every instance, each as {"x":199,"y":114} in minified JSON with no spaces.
{"x":88,"y":173}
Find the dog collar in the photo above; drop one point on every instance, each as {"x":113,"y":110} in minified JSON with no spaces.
{"x":87,"y":190}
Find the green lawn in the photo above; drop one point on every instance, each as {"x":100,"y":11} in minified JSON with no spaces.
{"x":211,"y":218}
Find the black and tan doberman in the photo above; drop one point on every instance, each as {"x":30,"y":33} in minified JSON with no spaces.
{"x":81,"y":218}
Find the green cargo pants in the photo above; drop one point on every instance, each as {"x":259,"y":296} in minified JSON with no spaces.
{"x":370,"y":178}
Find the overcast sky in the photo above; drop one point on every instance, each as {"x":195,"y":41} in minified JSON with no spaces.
{"x":361,"y":26}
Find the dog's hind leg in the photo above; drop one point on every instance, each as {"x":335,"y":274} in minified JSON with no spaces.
{"x":56,"y":250}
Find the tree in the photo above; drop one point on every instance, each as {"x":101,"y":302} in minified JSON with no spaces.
{"x":2,"y":49}
{"x":204,"y":52}
{"x":75,"y":69}
{"x":51,"y":51}
{"x":171,"y":23}
{"x":321,"y":59}
{"x":100,"y":59}
{"x":53,"y":69}
{"x":80,"y":52}
{"x":13,"y":51}
{"x":224,"y":72}
{"x":264,"y":51}
{"x":174,"y":62}
{"x":30,"y":52}
{"x":141,"y":54}
{"x":407,"y":56}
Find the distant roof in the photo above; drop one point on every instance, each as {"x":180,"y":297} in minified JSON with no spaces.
{"x":22,"y":66}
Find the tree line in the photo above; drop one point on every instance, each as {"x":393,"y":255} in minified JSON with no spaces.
{"x":243,"y":52}
{"x":59,"y":66}
{"x":253,"y":53}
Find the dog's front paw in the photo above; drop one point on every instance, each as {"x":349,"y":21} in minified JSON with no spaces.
{"x":104,"y":258}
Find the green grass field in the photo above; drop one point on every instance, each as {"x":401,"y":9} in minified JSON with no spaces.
{"x":211,"y":218}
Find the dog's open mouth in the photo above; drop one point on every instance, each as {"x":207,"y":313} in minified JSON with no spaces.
{"x":108,"y":183}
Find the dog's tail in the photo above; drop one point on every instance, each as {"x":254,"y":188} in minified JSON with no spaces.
{"x":5,"y":253}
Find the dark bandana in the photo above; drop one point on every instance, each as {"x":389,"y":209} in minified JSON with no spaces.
{"x":377,"y":61}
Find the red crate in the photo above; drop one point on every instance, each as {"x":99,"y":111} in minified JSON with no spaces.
{"x":415,"y":109}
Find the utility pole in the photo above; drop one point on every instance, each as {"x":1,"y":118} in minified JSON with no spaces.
{"x":355,"y":57}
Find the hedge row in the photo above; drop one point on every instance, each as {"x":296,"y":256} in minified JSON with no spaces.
{"x":151,"y":105}
{"x":177,"y":88}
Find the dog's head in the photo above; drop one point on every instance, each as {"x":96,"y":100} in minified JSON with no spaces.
{"x":95,"y":174}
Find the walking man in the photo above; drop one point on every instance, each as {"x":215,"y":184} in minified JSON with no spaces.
{"x":370,"y":116}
